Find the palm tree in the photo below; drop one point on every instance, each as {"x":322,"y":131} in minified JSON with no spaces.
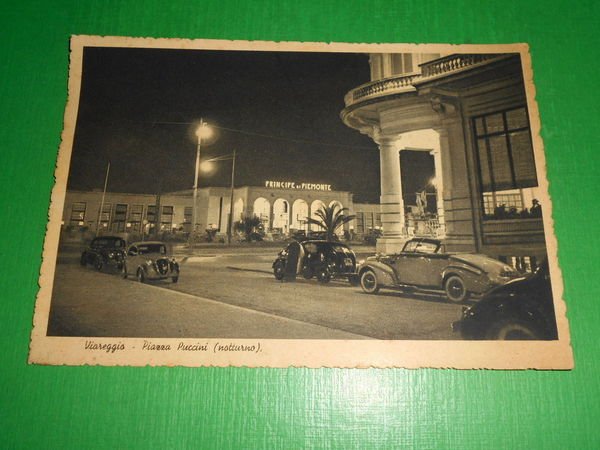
{"x":330,"y":218}
{"x":247,"y":226}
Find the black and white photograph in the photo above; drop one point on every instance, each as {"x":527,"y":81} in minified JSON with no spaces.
{"x":229,"y":203}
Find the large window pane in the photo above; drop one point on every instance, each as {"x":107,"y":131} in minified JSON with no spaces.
{"x":105,"y":215}
{"x":506,"y":163}
{"x":517,"y":118}
{"x":522,"y":154}
{"x":167,"y":217}
{"x":484,"y":162}
{"x":151,"y":213}
{"x":408,"y":62}
{"x":500,"y":163}
{"x":479,"y":127}
{"x":494,"y":123}
{"x":77,"y":214}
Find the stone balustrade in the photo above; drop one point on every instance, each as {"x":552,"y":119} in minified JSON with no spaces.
{"x":405,"y":83}
{"x":453,"y":63}
{"x":387,"y":86}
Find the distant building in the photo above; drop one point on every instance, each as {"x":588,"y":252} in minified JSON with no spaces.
{"x":469,"y":111}
{"x":282,"y":207}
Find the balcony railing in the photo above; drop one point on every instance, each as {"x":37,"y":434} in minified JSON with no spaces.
{"x":513,"y":231}
{"x":452,"y":63}
{"x":379,"y":88}
{"x":405,"y":83}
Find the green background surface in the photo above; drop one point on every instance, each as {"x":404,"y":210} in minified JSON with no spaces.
{"x":102,"y":407}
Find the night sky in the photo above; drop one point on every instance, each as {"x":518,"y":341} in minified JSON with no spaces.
{"x":279,"y":110}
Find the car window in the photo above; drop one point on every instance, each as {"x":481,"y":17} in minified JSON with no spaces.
{"x":107,"y":243}
{"x":310,"y":248}
{"x":132,"y":251}
{"x":426,"y":247}
{"x":410,"y":246}
{"x":152,"y":248}
{"x":419,"y":246}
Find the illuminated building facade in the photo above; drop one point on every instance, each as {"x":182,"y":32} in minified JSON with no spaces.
{"x":469,"y":111}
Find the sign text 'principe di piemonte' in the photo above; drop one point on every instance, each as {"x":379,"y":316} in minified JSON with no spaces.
{"x":294,"y":185}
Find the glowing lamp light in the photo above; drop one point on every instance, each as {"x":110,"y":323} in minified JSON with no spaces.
{"x":204,"y":131}
{"x":433,"y":181}
{"x":207,"y":166}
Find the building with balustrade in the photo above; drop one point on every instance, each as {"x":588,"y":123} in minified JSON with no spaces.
{"x":469,"y":112}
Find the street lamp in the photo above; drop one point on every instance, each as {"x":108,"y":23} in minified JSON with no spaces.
{"x":202,"y":132}
{"x":206,"y":166}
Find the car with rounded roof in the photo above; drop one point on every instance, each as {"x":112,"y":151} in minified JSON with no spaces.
{"x":149,"y":261}
{"x":423,"y":265}
{"x":104,"y":252}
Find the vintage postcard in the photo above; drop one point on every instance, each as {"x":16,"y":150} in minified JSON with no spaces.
{"x":261,"y":204}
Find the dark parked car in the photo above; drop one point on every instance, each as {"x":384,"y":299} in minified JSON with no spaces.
{"x":323,"y":259}
{"x":522,"y":309}
{"x":149,"y":261}
{"x":423,"y":265}
{"x":105,"y":251}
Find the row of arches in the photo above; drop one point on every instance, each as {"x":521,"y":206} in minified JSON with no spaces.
{"x":282,"y":215}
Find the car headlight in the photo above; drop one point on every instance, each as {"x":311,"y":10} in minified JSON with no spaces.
{"x":111,"y":255}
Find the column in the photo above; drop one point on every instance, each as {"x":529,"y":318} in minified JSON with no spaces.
{"x":290,"y":217}
{"x":392,"y":204}
{"x":458,"y":206}
{"x":439,"y":189}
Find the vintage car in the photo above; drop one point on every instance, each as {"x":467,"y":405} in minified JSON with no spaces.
{"x":323,"y":259}
{"x":104,"y":252}
{"x":522,"y":309}
{"x":149,"y":261}
{"x":423,"y":265}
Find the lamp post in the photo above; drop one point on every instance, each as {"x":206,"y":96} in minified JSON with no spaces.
{"x":203,"y":131}
{"x":230,"y":219}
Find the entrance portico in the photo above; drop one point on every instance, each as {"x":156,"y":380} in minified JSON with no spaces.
{"x":392,"y":197}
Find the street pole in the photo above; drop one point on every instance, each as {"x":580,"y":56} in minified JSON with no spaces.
{"x":230,"y":221}
{"x":102,"y":201}
{"x":195,"y":196}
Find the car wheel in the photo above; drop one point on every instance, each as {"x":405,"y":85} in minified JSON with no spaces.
{"x":323,"y":276}
{"x":513,"y":329}
{"x":369,"y":283}
{"x":279,"y":270}
{"x":83,"y":260}
{"x":455,"y":288}
{"x":175,"y":279}
{"x":98,"y":264}
{"x":124,"y":271}
{"x":141,"y":276}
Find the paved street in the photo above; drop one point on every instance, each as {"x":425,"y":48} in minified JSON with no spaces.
{"x":233,"y":294}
